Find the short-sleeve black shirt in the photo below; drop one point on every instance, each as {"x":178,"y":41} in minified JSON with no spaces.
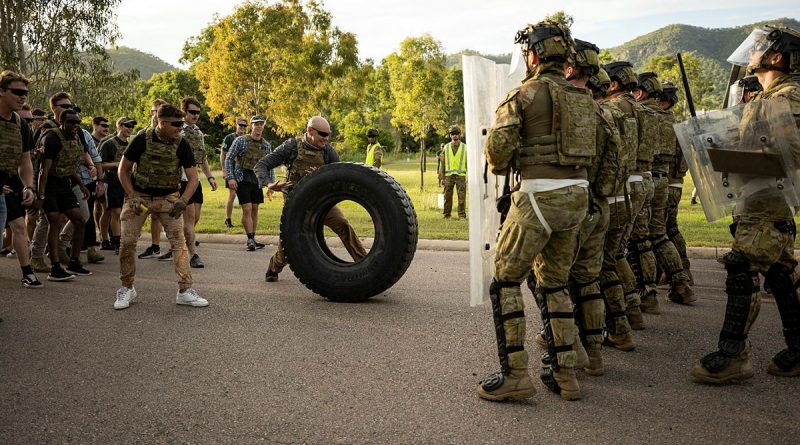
{"x":27,"y":142}
{"x":108,"y":151}
{"x":138,"y":146}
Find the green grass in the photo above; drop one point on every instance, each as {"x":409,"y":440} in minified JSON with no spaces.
{"x":405,"y":169}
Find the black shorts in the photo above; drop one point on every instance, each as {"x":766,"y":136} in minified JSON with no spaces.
{"x":197,"y":198}
{"x":115,"y":195}
{"x":58,"y":196}
{"x":14,"y":208}
{"x":249,"y":193}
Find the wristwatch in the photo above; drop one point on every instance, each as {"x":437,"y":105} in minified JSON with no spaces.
{"x":41,"y":196}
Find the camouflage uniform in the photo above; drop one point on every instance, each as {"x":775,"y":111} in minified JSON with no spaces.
{"x":547,"y":130}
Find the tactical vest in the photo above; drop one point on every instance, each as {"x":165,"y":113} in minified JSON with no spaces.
{"x":629,"y":133}
{"x":455,"y":164}
{"x":255,"y":151}
{"x":307,"y":157}
{"x":195,"y":139}
{"x":70,"y":156}
{"x":158,"y":166}
{"x":371,"y":153}
{"x":10,"y":145}
{"x":604,"y":174}
{"x":573,"y":141}
{"x":667,"y":141}
{"x":649,"y":126}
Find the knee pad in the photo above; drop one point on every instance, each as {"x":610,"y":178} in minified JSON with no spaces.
{"x":740,"y":287}
{"x":672,"y":232}
{"x":503,"y":350}
{"x":659,"y":241}
{"x":550,"y":357}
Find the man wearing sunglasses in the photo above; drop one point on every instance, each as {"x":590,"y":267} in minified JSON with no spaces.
{"x":302,"y":155}
{"x":453,"y":173}
{"x":63,"y":155}
{"x":154,"y":251}
{"x":16,"y":170}
{"x":241,"y":130}
{"x":152,"y":188}
{"x":111,"y":152}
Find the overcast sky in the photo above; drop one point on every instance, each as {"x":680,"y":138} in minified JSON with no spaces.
{"x":161,"y":27}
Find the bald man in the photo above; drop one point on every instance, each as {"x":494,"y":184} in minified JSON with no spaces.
{"x":302,"y":155}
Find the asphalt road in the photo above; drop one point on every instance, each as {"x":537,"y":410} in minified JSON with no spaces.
{"x":274,"y":363}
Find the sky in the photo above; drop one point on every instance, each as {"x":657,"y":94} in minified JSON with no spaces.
{"x":487,"y":26}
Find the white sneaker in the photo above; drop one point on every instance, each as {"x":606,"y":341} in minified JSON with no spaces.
{"x":124,"y":297}
{"x":191,"y":298}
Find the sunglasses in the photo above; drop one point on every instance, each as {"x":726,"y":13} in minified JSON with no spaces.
{"x":66,"y":106}
{"x":128,"y":125}
{"x":193,"y":112}
{"x":322,"y":133}
{"x":104,"y":125}
{"x":177,"y":124}
{"x":242,"y":125}
{"x":73,"y":121}
{"x":17,"y":92}
{"x":29,"y":119}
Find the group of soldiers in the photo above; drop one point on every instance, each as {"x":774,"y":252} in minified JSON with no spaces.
{"x":593,"y":219}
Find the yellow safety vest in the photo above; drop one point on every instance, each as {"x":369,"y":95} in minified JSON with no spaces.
{"x":371,"y":154}
{"x":455,"y":165}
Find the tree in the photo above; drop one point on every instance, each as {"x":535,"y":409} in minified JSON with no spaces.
{"x":284,"y":60}
{"x":417,"y":78}
{"x":561,"y":17}
{"x":701,"y":72}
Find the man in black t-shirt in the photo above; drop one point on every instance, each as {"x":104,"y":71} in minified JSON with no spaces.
{"x":63,"y":154}
{"x":150,"y":172}
{"x":16,"y":170}
{"x":111,"y":151}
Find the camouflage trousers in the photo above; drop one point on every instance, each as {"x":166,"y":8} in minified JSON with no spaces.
{"x":460,"y":183}
{"x":584,"y":275}
{"x":39,"y":240}
{"x":673,"y":231}
{"x":613,"y":262}
{"x":666,"y":253}
{"x":638,"y":273}
{"x":341,"y":227}
{"x":158,"y":207}
{"x":548,"y":245}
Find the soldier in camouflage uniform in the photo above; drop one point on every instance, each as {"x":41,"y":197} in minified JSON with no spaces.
{"x":150,"y":172}
{"x":664,"y":150}
{"x":624,"y":314}
{"x":765,"y":233}
{"x":301,"y":155}
{"x":546,"y":130}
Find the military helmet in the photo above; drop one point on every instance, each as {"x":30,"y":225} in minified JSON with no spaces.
{"x":780,"y":39}
{"x":649,"y":83}
{"x":551,"y":40}
{"x":372,"y":132}
{"x":623,"y":73}
{"x":599,"y":82}
{"x":669,"y":93}
{"x":454,"y":129}
{"x":587,"y":56}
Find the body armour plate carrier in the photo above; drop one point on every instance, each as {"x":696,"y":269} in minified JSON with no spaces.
{"x":195,"y":139}
{"x":70,"y":157}
{"x":10,"y":145}
{"x":158,"y":167}
{"x":573,"y":140}
{"x":667,"y":142}
{"x":307,"y":157}
{"x":649,"y":129}
{"x":255,"y":151}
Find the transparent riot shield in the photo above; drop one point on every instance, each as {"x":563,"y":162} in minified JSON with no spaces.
{"x":485,"y":86}
{"x":742,"y":154}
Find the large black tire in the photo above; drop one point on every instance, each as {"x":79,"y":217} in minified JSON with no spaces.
{"x":302,"y":231}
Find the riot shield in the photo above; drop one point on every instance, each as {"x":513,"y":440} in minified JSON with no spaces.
{"x":749,"y":151}
{"x":485,"y":86}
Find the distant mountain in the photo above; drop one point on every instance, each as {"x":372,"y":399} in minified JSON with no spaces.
{"x":126,"y":59}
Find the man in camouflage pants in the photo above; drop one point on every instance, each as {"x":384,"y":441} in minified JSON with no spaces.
{"x":546,"y":213}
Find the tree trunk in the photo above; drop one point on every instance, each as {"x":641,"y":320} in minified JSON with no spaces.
{"x":422,"y":165}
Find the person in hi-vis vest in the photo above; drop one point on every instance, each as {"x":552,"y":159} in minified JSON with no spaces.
{"x":374,"y":152}
{"x":453,"y":172}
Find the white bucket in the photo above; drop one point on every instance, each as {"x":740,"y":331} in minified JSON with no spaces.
{"x":440,"y":200}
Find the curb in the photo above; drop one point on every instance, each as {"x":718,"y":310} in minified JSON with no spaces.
{"x":708,"y":253}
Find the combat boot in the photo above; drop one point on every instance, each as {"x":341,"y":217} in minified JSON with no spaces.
{"x":93,"y":257}
{"x":567,"y":383}
{"x":595,"y":366}
{"x":785,"y":364}
{"x":499,"y":387}
{"x":538,"y":339}
{"x":688,"y":271}
{"x":623,"y":342}
{"x":681,"y":293}
{"x":737,"y":368}
{"x":580,"y":352}
{"x":39,"y":265}
{"x":635,"y":318}
{"x":650,"y":304}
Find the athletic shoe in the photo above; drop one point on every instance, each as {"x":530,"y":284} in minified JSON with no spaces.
{"x":190,"y":298}
{"x":5,"y":252}
{"x":12,"y":254}
{"x":93,"y":257}
{"x":125,"y":297}
{"x":58,"y":274}
{"x":74,"y":267}
{"x":195,"y":262}
{"x":107,"y":245}
{"x":166,"y":257}
{"x":228,"y":223}
{"x":251,"y":245}
{"x":150,"y":252}
{"x":196,"y":243}
{"x":31,"y":281}
{"x":260,"y":245}
{"x":271,"y":276}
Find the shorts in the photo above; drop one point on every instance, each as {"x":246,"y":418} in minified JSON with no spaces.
{"x":115,"y":195}
{"x":58,"y":196}
{"x":249,"y":193}
{"x":197,"y":198}
{"x":14,"y":207}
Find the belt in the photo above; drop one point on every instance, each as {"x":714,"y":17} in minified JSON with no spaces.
{"x":635,"y":178}
{"x":531,"y":186}
{"x":659,"y":175}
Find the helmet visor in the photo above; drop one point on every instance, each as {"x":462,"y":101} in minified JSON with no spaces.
{"x":517,"y":67}
{"x":751,"y":50}
{"x":735,"y":95}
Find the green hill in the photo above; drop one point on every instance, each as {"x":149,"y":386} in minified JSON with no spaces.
{"x":126,"y":59}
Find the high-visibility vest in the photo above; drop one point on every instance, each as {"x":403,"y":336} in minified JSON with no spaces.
{"x":371,"y":153}
{"x":455,"y":164}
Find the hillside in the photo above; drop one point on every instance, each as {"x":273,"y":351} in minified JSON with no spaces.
{"x":126,"y":59}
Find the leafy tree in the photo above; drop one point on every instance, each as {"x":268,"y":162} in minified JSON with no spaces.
{"x":705,"y":80}
{"x":561,"y":17}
